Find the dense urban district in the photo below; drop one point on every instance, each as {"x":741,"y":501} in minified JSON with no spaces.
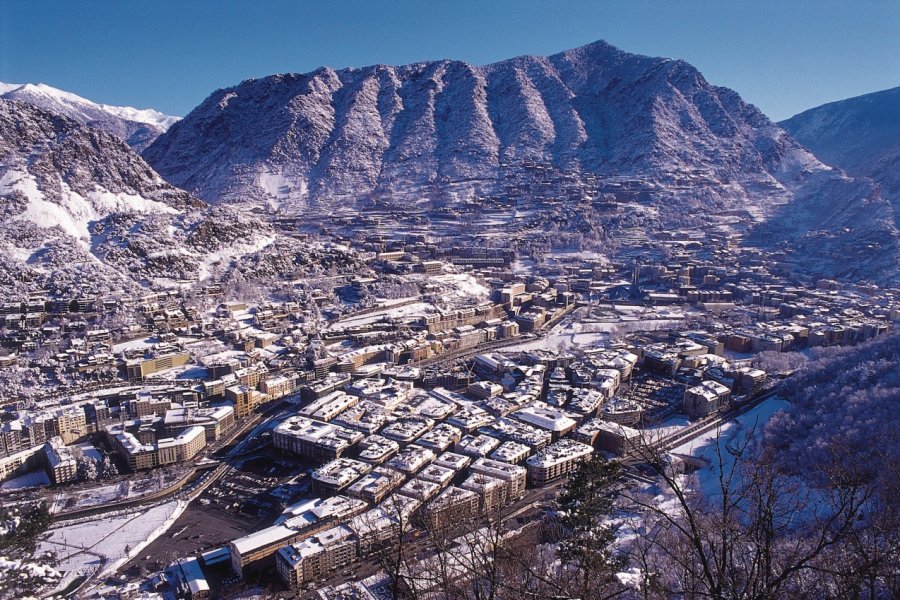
{"x":210,"y":441}
{"x":576,"y":326}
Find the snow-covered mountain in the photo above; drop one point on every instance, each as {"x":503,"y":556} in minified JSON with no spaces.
{"x":138,"y":127}
{"x":643,"y":129}
{"x":860,"y":135}
{"x":320,"y":136}
{"x":677,"y":149}
{"x":81,"y":212}
{"x":58,"y":181}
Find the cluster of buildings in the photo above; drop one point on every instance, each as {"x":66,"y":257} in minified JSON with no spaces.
{"x":435,"y":458}
{"x":451,"y":490}
{"x":418,"y":419}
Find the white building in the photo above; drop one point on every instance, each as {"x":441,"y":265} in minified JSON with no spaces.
{"x":557,"y":460}
{"x":317,"y":555}
{"x":547,"y":418}
{"x":705,"y":399}
{"x":338,"y":475}
{"x":321,"y":441}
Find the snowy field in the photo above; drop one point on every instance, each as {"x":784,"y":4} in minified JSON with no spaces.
{"x":462,"y":285}
{"x":139,"y":344}
{"x":183,"y":372}
{"x":108,"y":542}
{"x":569,"y":335}
{"x":592,"y":333}
{"x":670,"y":426}
{"x":705,"y":447}
{"x":413,"y":309}
{"x":33,"y":479}
{"x":454,"y":287}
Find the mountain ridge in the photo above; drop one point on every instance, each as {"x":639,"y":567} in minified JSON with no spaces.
{"x":861,"y":135}
{"x":384,"y":129}
{"x":535,"y":139}
{"x":137,"y":127}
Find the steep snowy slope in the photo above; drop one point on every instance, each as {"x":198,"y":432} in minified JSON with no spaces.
{"x":860,"y":135}
{"x":837,"y":226}
{"x":292,"y":139}
{"x":80,"y":210}
{"x":137,"y":127}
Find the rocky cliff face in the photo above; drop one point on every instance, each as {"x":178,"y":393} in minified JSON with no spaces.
{"x":80,"y":210}
{"x":68,"y":175}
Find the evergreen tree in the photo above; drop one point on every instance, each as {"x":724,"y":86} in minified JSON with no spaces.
{"x":584,"y":504}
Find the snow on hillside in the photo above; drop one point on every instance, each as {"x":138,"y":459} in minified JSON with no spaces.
{"x":292,"y":138}
{"x":711,"y":445}
{"x":81,"y":210}
{"x":81,"y":109}
{"x":73,"y":212}
{"x":852,"y":133}
{"x":859,"y":135}
{"x":226,"y":256}
{"x":444,"y":133}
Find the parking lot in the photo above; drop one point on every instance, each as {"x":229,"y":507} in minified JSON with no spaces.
{"x":253,"y":492}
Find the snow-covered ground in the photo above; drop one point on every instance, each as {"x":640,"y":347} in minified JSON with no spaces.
{"x":224,"y":256}
{"x":106,"y":494}
{"x":27,"y":568}
{"x":223,"y":356}
{"x":73,"y":212}
{"x":668,"y":427}
{"x":69,"y":500}
{"x":82,"y":109}
{"x":108,"y":542}
{"x":394,"y":312}
{"x":282,"y":188}
{"x":90,"y":451}
{"x":138,"y":344}
{"x":589,"y":333}
{"x":567,"y":335}
{"x":705,"y":447}
{"x":184,"y":372}
{"x":465,"y":285}
{"x":34,"y":479}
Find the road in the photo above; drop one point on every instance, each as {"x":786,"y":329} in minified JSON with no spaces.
{"x":177,"y":489}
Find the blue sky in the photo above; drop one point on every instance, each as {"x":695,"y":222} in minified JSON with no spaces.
{"x":784,"y":56}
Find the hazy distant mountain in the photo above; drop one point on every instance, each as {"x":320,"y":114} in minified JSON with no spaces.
{"x":297,"y":138}
{"x":135,"y":126}
{"x":860,"y":135}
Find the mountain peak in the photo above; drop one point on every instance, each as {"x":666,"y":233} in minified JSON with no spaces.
{"x":138,"y":127}
{"x":596,"y":49}
{"x":291,"y":138}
